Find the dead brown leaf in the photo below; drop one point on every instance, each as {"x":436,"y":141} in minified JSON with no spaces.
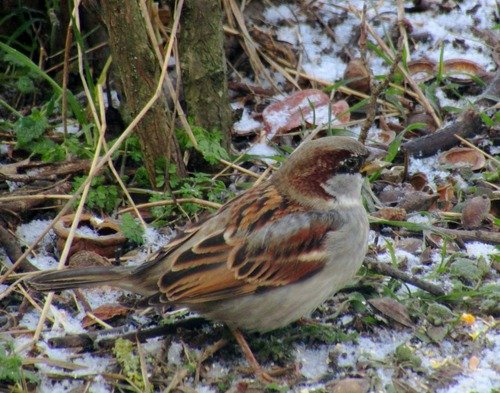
{"x":475,"y":211}
{"x":105,"y":313}
{"x":392,"y":309}
{"x":463,"y":156}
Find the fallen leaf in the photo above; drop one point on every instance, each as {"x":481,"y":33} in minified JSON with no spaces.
{"x":391,"y":213}
{"x":349,"y":385}
{"x":446,"y":198}
{"x":412,"y":245}
{"x":475,"y":211}
{"x":287,"y":114}
{"x":309,"y":106}
{"x":384,"y":137}
{"x":86,"y":258}
{"x":422,"y":70}
{"x":357,"y":76}
{"x":463,"y":156}
{"x":474,"y":363}
{"x":105,"y":313}
{"x":105,"y":240}
{"x":424,"y":118}
{"x":463,"y":70}
{"x":393,"y":175}
{"x":392,"y":309}
{"x":418,"y":181}
{"x":417,"y":201}
{"x":437,"y":333}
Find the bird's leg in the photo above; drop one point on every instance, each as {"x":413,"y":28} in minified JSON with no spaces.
{"x":254,"y":364}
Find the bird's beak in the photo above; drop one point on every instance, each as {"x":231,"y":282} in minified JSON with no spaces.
{"x":373,"y":162}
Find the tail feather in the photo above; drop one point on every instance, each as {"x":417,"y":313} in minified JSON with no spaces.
{"x":58,"y":280}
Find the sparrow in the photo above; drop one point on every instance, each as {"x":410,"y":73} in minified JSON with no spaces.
{"x":265,"y":259}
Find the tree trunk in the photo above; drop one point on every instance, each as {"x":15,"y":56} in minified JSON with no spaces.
{"x":138,"y":72}
{"x":203,"y":66}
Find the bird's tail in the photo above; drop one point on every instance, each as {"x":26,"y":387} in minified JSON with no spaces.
{"x":57,"y":280}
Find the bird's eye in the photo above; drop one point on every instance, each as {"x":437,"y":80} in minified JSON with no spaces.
{"x":351,"y":164}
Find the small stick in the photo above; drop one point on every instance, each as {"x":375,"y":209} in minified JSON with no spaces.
{"x":466,"y":142}
{"x":388,"y":270}
{"x":107,"y":338}
{"x":13,"y":251}
{"x":477,"y":235}
{"x":375,"y":90}
{"x":202,"y":202}
{"x":423,"y":100}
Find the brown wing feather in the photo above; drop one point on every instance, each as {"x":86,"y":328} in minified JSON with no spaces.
{"x":269,"y":243}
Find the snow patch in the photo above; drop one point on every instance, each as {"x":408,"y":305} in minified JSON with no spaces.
{"x":314,"y":362}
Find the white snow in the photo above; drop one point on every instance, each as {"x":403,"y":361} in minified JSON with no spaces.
{"x":103,"y":295}
{"x":314,"y":362}
{"x":246,"y":125}
{"x":430,"y":167}
{"x":400,"y":255}
{"x":174,"y":354}
{"x":4,"y":149}
{"x":263,"y":151}
{"x":478,"y":249}
{"x":44,"y":256}
{"x":29,"y":232}
{"x":275,"y":15}
{"x":58,"y":386}
{"x":115,"y":100}
{"x":420,"y":219}
{"x":72,"y":127}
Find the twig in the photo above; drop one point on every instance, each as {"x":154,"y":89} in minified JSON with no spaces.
{"x":13,"y":251}
{"x":375,"y":93}
{"x":477,"y":235}
{"x":388,"y":270}
{"x":207,"y":353}
{"x":166,"y":202}
{"x":64,"y":99}
{"x":342,"y":89}
{"x":177,"y":379}
{"x":104,"y":159}
{"x":445,"y":138}
{"x":144,"y":368}
{"x":375,"y":90}
{"x":422,"y":99}
{"x":107,"y":338}
{"x":403,"y":35}
{"x":466,"y":142}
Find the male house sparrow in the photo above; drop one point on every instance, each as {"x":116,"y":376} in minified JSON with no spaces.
{"x":268,"y":257}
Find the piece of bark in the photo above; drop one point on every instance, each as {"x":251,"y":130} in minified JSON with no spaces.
{"x":106,"y":339}
{"x":468,"y":125}
{"x":13,"y":250}
{"x":203,"y":66}
{"x":491,"y":93}
{"x":473,"y":235}
{"x":42,"y":170}
{"x":475,"y":211}
{"x":388,"y":270}
{"x":137,"y":71}
{"x":22,"y":205}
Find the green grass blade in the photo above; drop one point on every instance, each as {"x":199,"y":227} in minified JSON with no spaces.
{"x":76,"y":108}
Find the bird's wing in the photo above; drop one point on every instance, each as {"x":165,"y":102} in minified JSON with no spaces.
{"x":268,"y":243}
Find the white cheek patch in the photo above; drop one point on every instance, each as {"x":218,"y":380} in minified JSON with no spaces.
{"x":345,"y":189}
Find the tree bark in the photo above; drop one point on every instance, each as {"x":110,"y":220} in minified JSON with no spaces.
{"x":203,"y":66}
{"x":138,"y":72}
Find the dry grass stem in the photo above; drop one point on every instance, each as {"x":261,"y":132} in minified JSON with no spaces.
{"x":125,"y":134}
{"x":471,"y":145}
{"x":167,"y":202}
{"x":422,"y":99}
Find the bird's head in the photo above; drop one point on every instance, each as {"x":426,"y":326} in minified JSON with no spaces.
{"x":324,"y":173}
